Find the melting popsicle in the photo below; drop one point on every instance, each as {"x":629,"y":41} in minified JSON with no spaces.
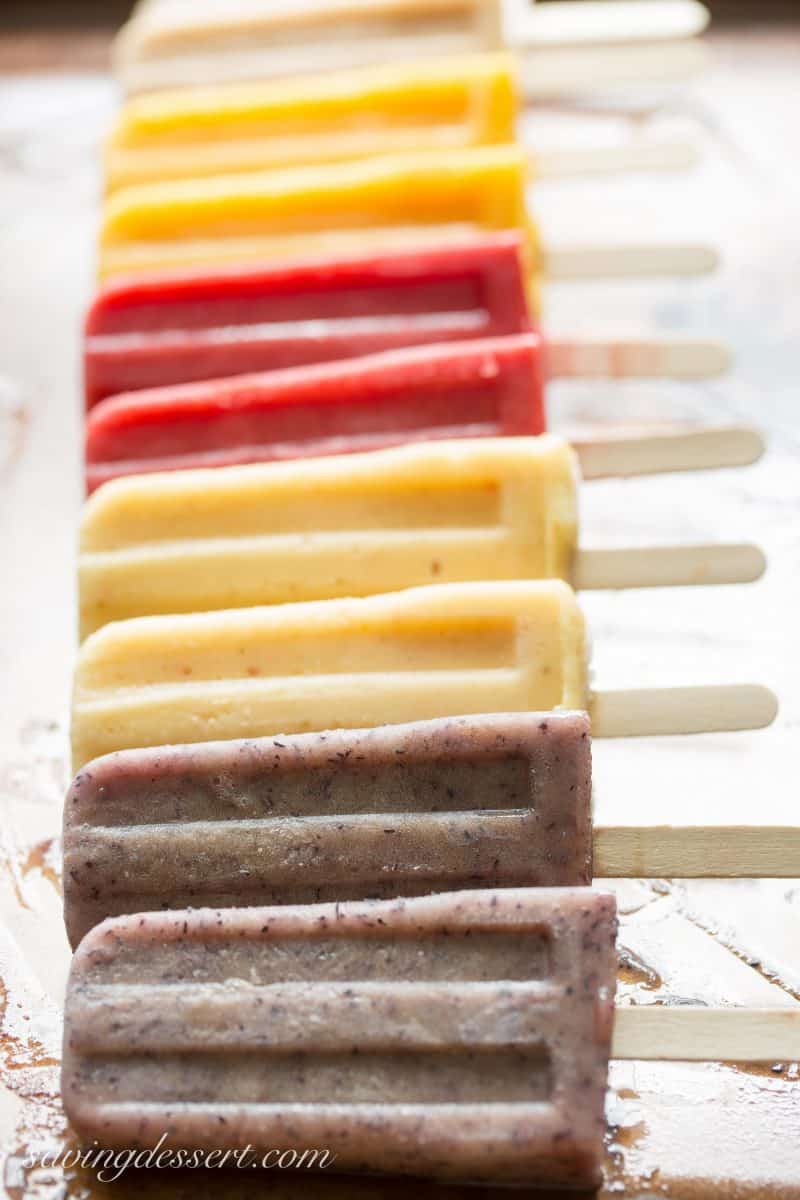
{"x":434,"y":105}
{"x":196,"y":325}
{"x":170,"y":43}
{"x":448,"y":650}
{"x":498,"y":800}
{"x":355,"y":525}
{"x":464,"y":1036}
{"x":413,"y":200}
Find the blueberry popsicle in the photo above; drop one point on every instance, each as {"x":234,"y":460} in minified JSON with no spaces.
{"x":490,"y":800}
{"x":452,"y":649}
{"x":192,"y":325}
{"x":463,"y":1036}
{"x":356,"y":525}
{"x":493,"y":800}
{"x":413,"y":200}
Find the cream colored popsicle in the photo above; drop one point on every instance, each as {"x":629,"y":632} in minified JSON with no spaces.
{"x":441,"y":104}
{"x":172,"y":43}
{"x":355,"y":525}
{"x":414,"y":199}
{"x":448,"y":650}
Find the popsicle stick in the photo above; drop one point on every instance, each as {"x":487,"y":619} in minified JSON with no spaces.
{"x":559,"y":161}
{"x":640,"y":712}
{"x":697,"y":852}
{"x":668,"y":566}
{"x":601,"y":358}
{"x":684,"y":1034}
{"x":660,"y":453}
{"x":555,"y":72}
{"x":599,"y":22}
{"x":629,"y":261}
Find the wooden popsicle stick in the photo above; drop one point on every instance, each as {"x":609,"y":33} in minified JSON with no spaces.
{"x":629,"y":261}
{"x":697,"y":852}
{"x":667,"y":566}
{"x":559,"y":161}
{"x":643,"y":712}
{"x":685,"y":1034}
{"x":660,"y":453}
{"x":556,"y":72}
{"x":599,"y":22}
{"x":646,"y":358}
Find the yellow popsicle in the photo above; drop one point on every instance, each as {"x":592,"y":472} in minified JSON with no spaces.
{"x":319,"y":528}
{"x":397,"y":200}
{"x":437,"y":105}
{"x":446,"y":650}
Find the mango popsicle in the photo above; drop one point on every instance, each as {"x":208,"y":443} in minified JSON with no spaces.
{"x":413,"y":199}
{"x":449,"y":650}
{"x":188,"y":326}
{"x":400,"y":810}
{"x":463,"y":1036}
{"x":355,"y":525}
{"x":439,"y":104}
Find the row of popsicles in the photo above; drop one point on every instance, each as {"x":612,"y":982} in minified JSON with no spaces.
{"x":464,"y":1034}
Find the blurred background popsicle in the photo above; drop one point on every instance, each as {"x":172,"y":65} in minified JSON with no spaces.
{"x":172,"y":43}
{"x":448,"y":650}
{"x":414,"y":199}
{"x":209,"y":324}
{"x":319,"y":528}
{"x":440,"y":104}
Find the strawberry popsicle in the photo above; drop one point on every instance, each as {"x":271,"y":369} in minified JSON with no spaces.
{"x":467,"y":389}
{"x":190,"y":326}
{"x":344,"y":815}
{"x":462,"y":1036}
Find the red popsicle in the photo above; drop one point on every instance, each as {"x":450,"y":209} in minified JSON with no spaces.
{"x":181,"y":328}
{"x":488,"y":387}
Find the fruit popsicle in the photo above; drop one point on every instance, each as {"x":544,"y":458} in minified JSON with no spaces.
{"x":426,"y":105}
{"x":493,"y":800}
{"x":196,"y":325}
{"x":449,"y":650}
{"x":463,"y":1036}
{"x":355,"y":525}
{"x":174,"y":44}
{"x":490,"y":387}
{"x":414,"y":200}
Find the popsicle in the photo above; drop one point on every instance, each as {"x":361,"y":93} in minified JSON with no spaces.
{"x":439,"y":104}
{"x":355,"y":525}
{"x":486,"y":387}
{"x":449,"y":650}
{"x":458,"y":1036}
{"x":176,"y":44}
{"x":206,"y":324}
{"x":401,"y":810}
{"x":461,"y":1036}
{"x":413,"y":199}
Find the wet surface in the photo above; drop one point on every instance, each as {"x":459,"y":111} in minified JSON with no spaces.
{"x":704,"y":1132}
